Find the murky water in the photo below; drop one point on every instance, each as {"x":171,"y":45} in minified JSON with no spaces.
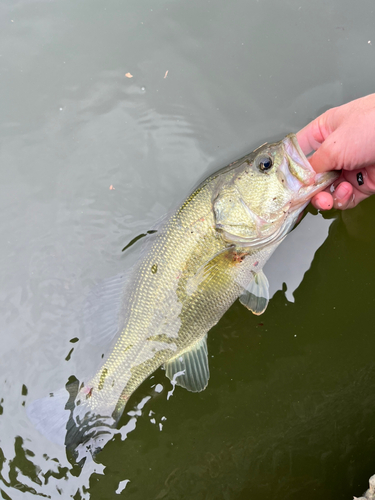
{"x":289,"y":410}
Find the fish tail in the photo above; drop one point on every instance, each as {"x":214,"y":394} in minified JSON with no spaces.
{"x":50,"y":416}
{"x":65,"y":418}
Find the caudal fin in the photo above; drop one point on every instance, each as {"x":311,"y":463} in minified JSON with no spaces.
{"x":64,"y":421}
{"x":50,"y":416}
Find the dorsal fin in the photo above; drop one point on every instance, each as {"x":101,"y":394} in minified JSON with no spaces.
{"x":102,"y":309}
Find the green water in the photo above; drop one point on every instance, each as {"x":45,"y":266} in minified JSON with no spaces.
{"x":289,"y":409}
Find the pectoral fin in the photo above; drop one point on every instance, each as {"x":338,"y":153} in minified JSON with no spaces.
{"x":256,"y":295}
{"x":209,"y":270}
{"x":190,"y":369}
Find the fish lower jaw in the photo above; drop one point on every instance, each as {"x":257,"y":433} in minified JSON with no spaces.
{"x":265,"y":229}
{"x":229,"y":237}
{"x":262,"y":240}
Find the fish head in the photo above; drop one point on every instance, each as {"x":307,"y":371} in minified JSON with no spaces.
{"x":260,"y":199}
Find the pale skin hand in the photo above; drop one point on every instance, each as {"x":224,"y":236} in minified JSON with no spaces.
{"x":343,"y":139}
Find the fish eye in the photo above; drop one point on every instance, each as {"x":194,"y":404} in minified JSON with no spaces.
{"x":264,"y":163}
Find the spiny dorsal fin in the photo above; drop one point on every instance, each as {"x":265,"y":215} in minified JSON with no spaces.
{"x":190,"y":369}
{"x":256,"y":295}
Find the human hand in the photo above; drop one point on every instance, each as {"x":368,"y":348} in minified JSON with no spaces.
{"x":343,"y":139}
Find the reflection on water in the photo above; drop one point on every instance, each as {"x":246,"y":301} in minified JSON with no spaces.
{"x":289,"y":409}
{"x":293,"y":258}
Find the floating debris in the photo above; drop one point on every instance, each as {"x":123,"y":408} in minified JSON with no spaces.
{"x":128,"y":75}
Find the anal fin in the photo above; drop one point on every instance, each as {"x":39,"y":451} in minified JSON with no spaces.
{"x":190,"y":369}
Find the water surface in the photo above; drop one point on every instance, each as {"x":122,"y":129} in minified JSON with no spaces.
{"x":289,"y":409}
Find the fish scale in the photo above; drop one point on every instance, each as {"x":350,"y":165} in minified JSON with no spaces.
{"x":199,"y":312}
{"x":173,"y":253}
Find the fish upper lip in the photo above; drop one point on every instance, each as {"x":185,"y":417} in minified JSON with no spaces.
{"x":321,"y":180}
{"x":293,"y":139}
{"x":295,"y":143}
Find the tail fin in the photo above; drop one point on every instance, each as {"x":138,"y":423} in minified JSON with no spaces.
{"x":66,"y":420}
{"x":50,"y":416}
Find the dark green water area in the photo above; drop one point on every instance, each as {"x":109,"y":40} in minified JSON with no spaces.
{"x":289,"y":410}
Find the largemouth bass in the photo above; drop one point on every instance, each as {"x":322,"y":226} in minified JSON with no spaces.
{"x":210,"y":252}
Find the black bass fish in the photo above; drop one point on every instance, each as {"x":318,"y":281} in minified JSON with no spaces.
{"x":210,"y":252}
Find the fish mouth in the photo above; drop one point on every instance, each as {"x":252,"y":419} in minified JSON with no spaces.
{"x":300,"y":177}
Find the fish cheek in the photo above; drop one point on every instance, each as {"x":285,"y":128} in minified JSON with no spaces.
{"x":224,"y":207}
{"x":267,"y":198}
{"x":232,"y":215}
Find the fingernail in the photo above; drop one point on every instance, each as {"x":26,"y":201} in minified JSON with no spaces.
{"x":342,"y":191}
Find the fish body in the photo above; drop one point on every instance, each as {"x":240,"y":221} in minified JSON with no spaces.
{"x":210,"y":252}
